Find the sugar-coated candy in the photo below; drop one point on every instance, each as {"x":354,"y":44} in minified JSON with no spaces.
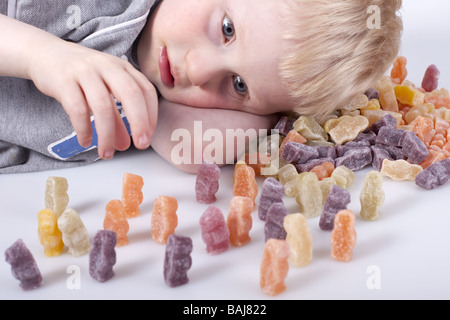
{"x":287,"y":173}
{"x":132,"y":195}
{"x":293,"y":136}
{"x":389,"y":136}
{"x":49,"y":235}
{"x":372,"y":196}
{"x":387,"y":97}
{"x":272,"y":191}
{"x":378,"y":156}
{"x":424,"y":128}
{"x":347,"y":128}
{"x":239,"y":220}
{"x":343,"y":176}
{"x":274,"y":267}
{"x":324,"y":170}
{"x":355,"y":159}
{"x":56,"y":197}
{"x":338,"y":199}
{"x":419,"y":110}
{"x":245,"y":183}
{"x":409,"y":95}
{"x":430,"y":81}
{"x":413,"y":148}
{"x":386,"y":121}
{"x":325,"y":186}
{"x":311,"y":164}
{"x":215,"y":231}
{"x":400,"y":170}
{"x":102,"y":257}
{"x":23,"y":266}
{"x":116,"y":220}
{"x":177,"y":260}
{"x":435,"y":175}
{"x":372,"y":93}
{"x":309,"y":195}
{"x":299,"y":153}
{"x":164,"y":218}
{"x":273,"y":228}
{"x":399,"y":71}
{"x":310,"y":129}
{"x":207,"y":183}
{"x":285,"y":125}
{"x":343,"y":236}
{"x":299,"y":239}
{"x":74,"y":233}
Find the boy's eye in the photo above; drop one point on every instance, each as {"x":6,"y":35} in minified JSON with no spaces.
{"x":227,"y":28}
{"x":239,"y":85}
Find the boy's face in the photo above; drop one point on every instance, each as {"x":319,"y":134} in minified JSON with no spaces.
{"x":216,"y":54}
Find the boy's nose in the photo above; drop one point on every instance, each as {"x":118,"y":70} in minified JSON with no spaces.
{"x":203,"y":67}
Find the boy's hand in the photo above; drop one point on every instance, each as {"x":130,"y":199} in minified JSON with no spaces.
{"x":86,"y":81}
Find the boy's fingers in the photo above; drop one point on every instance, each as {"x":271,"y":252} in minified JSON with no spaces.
{"x":104,"y":110}
{"x":129,"y":92}
{"x":122,"y":141}
{"x":75,"y":105}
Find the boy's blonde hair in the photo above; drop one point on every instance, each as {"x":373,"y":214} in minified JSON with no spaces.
{"x":335,"y":52}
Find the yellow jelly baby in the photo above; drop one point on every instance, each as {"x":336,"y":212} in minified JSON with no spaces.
{"x":49,"y":234}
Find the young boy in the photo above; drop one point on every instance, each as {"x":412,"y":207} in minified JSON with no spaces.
{"x":227,"y":63}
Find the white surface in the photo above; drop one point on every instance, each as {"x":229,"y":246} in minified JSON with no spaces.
{"x":409,"y":246}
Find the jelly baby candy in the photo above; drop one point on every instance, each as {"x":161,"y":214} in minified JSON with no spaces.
{"x":310,"y":129}
{"x":245,"y":183}
{"x":239,"y":220}
{"x":116,"y":220}
{"x":399,"y":71}
{"x":274,"y":267}
{"x":309,"y":195}
{"x":343,"y":236}
{"x":409,"y":95}
{"x":272,"y":191}
{"x":164,"y":218}
{"x":343,"y":176}
{"x":435,"y":175}
{"x":347,"y":128}
{"x":400,"y":170}
{"x":293,"y":136}
{"x":23,"y":266}
{"x":299,"y":153}
{"x":74,"y":233}
{"x":56,"y":197}
{"x":102,"y":257}
{"x":413,"y":148}
{"x":355,"y":159}
{"x":49,"y":234}
{"x":132,"y":196}
{"x":177,"y":260}
{"x":207,"y":183}
{"x":299,"y":239}
{"x":285,"y":125}
{"x":430,"y":81}
{"x":273,"y":228}
{"x":324,"y":170}
{"x":338,"y":199}
{"x":387,"y":98}
{"x":215,"y":231}
{"x":372,"y":196}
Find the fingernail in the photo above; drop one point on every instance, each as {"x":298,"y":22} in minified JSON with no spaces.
{"x":108,"y":154}
{"x":144,"y":141}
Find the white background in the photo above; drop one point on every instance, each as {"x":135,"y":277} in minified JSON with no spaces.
{"x":409,"y":246}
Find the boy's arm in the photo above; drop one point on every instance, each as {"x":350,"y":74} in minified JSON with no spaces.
{"x":186,"y":129}
{"x":84,"y":81}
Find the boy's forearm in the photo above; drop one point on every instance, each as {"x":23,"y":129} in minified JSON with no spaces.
{"x":19,"y":42}
{"x":174,"y":118}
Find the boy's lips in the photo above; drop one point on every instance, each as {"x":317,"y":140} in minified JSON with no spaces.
{"x":164,"y":69}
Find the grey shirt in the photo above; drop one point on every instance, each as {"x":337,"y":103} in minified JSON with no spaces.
{"x":35,"y":131}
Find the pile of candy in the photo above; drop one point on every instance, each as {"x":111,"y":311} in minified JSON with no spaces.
{"x":400,"y":130}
